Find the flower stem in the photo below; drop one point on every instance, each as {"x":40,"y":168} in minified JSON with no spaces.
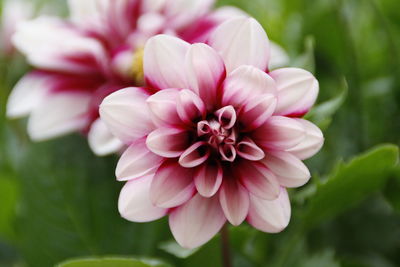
{"x":225,"y":248}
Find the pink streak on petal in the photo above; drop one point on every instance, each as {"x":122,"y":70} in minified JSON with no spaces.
{"x":246,"y":83}
{"x":297,"y":91}
{"x":257,"y":111}
{"x":197,"y":221}
{"x":164,"y":60}
{"x":195,"y":155}
{"x":289,"y":170}
{"x":241,"y":41}
{"x":271,"y":216}
{"x":190,"y":107}
{"x":234,"y":200}
{"x":205,"y":72}
{"x":258,"y":180}
{"x":134,"y":203}
{"x":249,"y":150}
{"x":226,"y":117}
{"x":168,"y":142}
{"x":279,"y":133}
{"x":137,"y":161}
{"x":311,"y":144}
{"x":208,"y":178}
{"x":172,"y":185}
{"x":163,"y":107}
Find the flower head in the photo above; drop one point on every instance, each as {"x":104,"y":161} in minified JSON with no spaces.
{"x":220,"y":139}
{"x":95,"y":52}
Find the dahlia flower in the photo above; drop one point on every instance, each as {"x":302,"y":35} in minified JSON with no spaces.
{"x":218,"y":138}
{"x":98,"y":50}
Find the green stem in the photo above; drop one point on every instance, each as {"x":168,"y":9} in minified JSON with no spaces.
{"x":225,"y":248}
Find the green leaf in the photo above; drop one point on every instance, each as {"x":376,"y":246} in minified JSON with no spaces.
{"x":392,"y":190}
{"x":112,"y":262}
{"x":175,"y":249}
{"x":325,"y":258}
{"x":322,"y":114}
{"x":9,"y":193}
{"x":351,"y":183}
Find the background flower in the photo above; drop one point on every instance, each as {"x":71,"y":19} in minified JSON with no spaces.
{"x":98,"y":50}
{"x":218,"y":141}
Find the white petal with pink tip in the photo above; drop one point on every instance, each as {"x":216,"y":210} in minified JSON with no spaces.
{"x":164,"y":61}
{"x":241,"y":41}
{"x":311,"y":144}
{"x":50,"y":120}
{"x":168,"y":142}
{"x":197,"y":221}
{"x":271,"y":216}
{"x":245,"y":83}
{"x":172,"y":185}
{"x":134,"y":201}
{"x":279,"y":133}
{"x":297,"y":91}
{"x":126,"y":114}
{"x":290,"y":171}
{"x":101,"y":140}
{"x":208,"y":178}
{"x":234,"y":199}
{"x":27,"y":94}
{"x":137,"y":161}
{"x":205,"y":71}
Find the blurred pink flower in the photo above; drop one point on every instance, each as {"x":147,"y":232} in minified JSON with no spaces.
{"x":98,"y":50}
{"x":13,"y":12}
{"x":220,"y":139}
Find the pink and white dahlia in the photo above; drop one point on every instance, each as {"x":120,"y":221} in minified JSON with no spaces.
{"x":95,"y":52}
{"x":220,"y":139}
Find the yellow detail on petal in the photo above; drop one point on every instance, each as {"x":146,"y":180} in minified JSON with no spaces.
{"x":137,"y":66}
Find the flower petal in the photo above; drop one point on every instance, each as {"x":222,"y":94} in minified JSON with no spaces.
{"x":197,"y":221}
{"x":126,"y":114}
{"x":172,"y":185}
{"x":205,"y":71}
{"x":279,"y":133}
{"x":168,"y":142}
{"x":245,"y":83}
{"x":234,"y":200}
{"x":163,"y":107}
{"x":289,"y":170}
{"x":182,"y":12}
{"x":137,"y":161}
{"x":311,"y":144}
{"x":101,"y":140}
{"x":249,"y":150}
{"x":258,"y":180}
{"x":27,"y":94}
{"x":241,"y":41}
{"x":297,"y":91}
{"x":208,"y":178}
{"x":190,"y":107}
{"x":226,"y":117}
{"x":257,"y":111}
{"x":271,"y":216}
{"x":164,"y":61}
{"x":51,"y":44}
{"x":59,"y":114}
{"x":134,"y":203}
{"x":195,"y":155}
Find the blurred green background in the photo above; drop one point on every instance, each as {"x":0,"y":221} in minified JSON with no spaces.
{"x":59,"y":201}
